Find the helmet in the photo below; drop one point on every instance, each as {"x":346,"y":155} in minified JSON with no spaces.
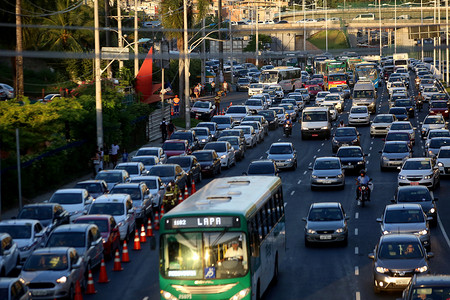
{"x":362,"y":172}
{"x":176,"y":96}
{"x":287,"y":117}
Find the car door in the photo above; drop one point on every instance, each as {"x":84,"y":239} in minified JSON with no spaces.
{"x":96,"y":246}
{"x":196,"y":169}
{"x":230,"y":153}
{"x":131,"y":215}
{"x":147,"y":199}
{"x":9,"y":256}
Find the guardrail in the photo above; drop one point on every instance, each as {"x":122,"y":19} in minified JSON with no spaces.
{"x":154,"y":120}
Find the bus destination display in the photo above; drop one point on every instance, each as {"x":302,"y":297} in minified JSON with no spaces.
{"x":203,"y":222}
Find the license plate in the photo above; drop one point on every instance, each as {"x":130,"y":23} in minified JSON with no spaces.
{"x":326,"y":181}
{"x":414,"y":183}
{"x":197,"y":115}
{"x":344,"y":145}
{"x":402,"y":281}
{"x":39,"y":293}
{"x":314,"y":134}
{"x":325,"y":237}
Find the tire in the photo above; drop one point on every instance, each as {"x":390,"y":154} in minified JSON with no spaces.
{"x":258,"y":291}
{"x":307,"y":244}
{"x":71,"y":293}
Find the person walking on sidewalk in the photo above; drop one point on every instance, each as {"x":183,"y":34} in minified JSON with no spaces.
{"x":170,"y":128}
{"x":213,"y":88}
{"x":114,"y":154}
{"x":163,"y":128}
{"x":217,"y":102}
{"x":225,"y":88}
{"x":95,"y":163}
{"x":176,"y":105}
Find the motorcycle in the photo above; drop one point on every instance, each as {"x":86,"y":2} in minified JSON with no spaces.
{"x":287,"y":130}
{"x":364,"y":192}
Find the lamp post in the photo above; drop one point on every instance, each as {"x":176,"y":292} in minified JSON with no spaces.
{"x":136,"y":39}
{"x":395,"y":32}
{"x":186,"y":66}
{"x":304,"y":26}
{"x":446,"y":42}
{"x":379,"y":23}
{"x":326,"y":27}
{"x":98,"y":86}
{"x":119,"y":28}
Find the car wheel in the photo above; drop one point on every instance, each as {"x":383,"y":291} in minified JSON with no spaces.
{"x":307,"y":244}
{"x":71,"y":293}
{"x":345,"y":242}
{"x":220,"y":169}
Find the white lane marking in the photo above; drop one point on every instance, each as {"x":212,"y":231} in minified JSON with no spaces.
{"x":314,"y":156}
{"x":323,"y":144}
{"x":304,"y":173}
{"x":368,"y":154}
{"x":285,"y":204}
{"x":370,"y":149}
{"x":292,"y":193}
{"x":356,"y":215}
{"x":310,"y":163}
{"x":444,"y":233}
{"x":261,"y":157}
{"x":318,"y":150}
{"x":367,"y":162}
{"x":371,"y":142}
{"x":298,"y":182}
{"x":145,"y":298}
{"x":279,"y":139}
{"x":356,"y":231}
{"x":358,"y":296}
{"x":356,"y":250}
{"x":356,"y":270}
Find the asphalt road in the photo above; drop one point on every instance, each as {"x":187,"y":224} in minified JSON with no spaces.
{"x":326,"y":272}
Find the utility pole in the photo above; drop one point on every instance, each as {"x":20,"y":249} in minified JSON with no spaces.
{"x":98,"y":84}
{"x":186,"y":67}
{"x":119,"y":29}
{"x":257,"y":37}
{"x":202,"y":77}
{"x":221,"y":78}
{"x":19,"y":48}
{"x":136,"y":38}
{"x":108,"y":34}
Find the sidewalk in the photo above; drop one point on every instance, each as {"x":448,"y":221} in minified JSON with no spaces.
{"x":8,"y":214}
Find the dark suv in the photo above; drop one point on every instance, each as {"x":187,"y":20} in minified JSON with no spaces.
{"x":187,"y":135}
{"x":427,"y":287}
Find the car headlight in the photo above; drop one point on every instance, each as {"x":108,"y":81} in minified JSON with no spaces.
{"x":203,"y":140}
{"x":340,"y":175}
{"x":314,"y":176}
{"x":401,"y":177}
{"x":355,"y":140}
{"x":25,"y":248}
{"x":428,"y":177}
{"x":360,"y":162}
{"x":325,"y":128}
{"x":382,"y":270}
{"x":61,"y":279}
{"x":340,"y":230}
{"x":432,"y":211}
{"x":120,"y":224}
{"x":223,"y":156}
{"x":384,"y":158}
{"x":241,"y":294}
{"x":334,"y":141}
{"x":289,"y":159}
{"x":386,"y":232}
{"x":310,"y":231}
{"x":167,"y":295}
{"x":440,"y":164}
{"x":422,"y":232}
{"x":421,"y":269}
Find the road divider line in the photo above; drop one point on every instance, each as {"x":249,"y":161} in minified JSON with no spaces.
{"x":323,"y":144}
{"x":370,"y":149}
{"x":444,"y":233}
{"x":318,"y":150}
{"x":356,"y":270}
{"x":292,"y":193}
{"x":368,"y":154}
{"x":314,"y":156}
{"x":358,"y":296}
{"x":279,"y":139}
{"x":367,"y":162}
{"x":285,"y":204}
{"x":261,"y":157}
{"x":371,"y":142}
{"x":356,"y":231}
{"x":356,"y":250}
{"x":304,"y":173}
{"x":300,"y":181}
{"x":356,"y":215}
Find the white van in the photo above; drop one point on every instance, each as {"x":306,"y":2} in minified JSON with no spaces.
{"x":316,"y":122}
{"x":364,"y":17}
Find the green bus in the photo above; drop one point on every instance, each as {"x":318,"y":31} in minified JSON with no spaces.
{"x":225,"y":241}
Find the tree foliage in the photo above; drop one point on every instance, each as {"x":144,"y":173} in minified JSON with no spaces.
{"x":263,"y":39}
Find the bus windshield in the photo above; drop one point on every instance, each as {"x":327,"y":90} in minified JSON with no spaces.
{"x":204,"y":255}
{"x":269,"y":77}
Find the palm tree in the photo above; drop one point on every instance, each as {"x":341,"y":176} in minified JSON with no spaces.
{"x":172,"y":18}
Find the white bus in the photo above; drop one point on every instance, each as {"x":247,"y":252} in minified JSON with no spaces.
{"x":289,"y":78}
{"x":225,"y":241}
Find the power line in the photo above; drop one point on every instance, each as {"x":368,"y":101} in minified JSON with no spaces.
{"x":68,"y":9}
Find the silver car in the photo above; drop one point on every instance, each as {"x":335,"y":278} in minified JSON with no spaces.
{"x":443,"y":160}
{"x":419,"y":171}
{"x":9,"y":254}
{"x":249,"y":134}
{"x":52,"y":273}
{"x":327,"y":172}
{"x":147,"y":160}
{"x":432,"y":148}
{"x":433,"y":133}
{"x":326,"y":222}
{"x":381,"y":123}
{"x":394,"y":154}
{"x":156,"y":187}
{"x":156,"y":151}
{"x":432,"y":122}
{"x":404,"y":126}
{"x":203,"y":135}
{"x":14,"y":289}
{"x":259,"y":130}
{"x":75,"y":201}
{"x":283,"y":154}
{"x":406,"y":218}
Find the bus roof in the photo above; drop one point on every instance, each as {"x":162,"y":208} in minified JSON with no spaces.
{"x":229,"y":195}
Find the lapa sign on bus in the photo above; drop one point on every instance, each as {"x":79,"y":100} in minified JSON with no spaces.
{"x":202,"y":222}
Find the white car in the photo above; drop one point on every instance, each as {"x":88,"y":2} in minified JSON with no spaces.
{"x":331,"y":109}
{"x":404,"y":126}
{"x":397,"y":89}
{"x":255,"y":105}
{"x":75,"y":201}
{"x":148,"y":160}
{"x":321,"y":96}
{"x":133,"y":168}
{"x":255,"y":89}
{"x":336,"y":99}
{"x":155,"y":151}
{"x":237,"y":112}
{"x":434,"y":133}
{"x":359,"y":115}
{"x":28,"y":234}
{"x":443,"y":160}
{"x":8,"y":90}
{"x":432,"y":122}
{"x":419,"y":171}
{"x":9,"y":254}
{"x":281,"y":114}
{"x":225,"y":151}
{"x":156,"y":187}
{"x":381,"y":123}
{"x":429,"y":91}
{"x":259,"y":130}
{"x":249,"y":134}
{"x":120,"y":206}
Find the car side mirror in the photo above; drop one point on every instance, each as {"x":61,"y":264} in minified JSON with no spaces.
{"x":131,"y":211}
{"x":430,"y":255}
{"x":399,"y":168}
{"x":371,"y":256}
{"x":88,"y":202}
{"x":304,"y":219}
{"x":379,"y":220}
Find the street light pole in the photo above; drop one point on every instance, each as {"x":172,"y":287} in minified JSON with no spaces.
{"x":257,"y":37}
{"x":304,"y":26}
{"x":446,"y":42}
{"x":98,"y":86}
{"x":119,"y":29}
{"x":395,"y":32}
{"x":136,"y":47}
{"x":186,"y":67}
{"x":326,"y":26}
{"x":379,"y":23}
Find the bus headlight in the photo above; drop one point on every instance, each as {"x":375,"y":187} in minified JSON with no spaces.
{"x":241,"y":294}
{"x":168,"y":296}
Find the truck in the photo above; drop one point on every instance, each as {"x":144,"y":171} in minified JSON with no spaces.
{"x":401,"y":60}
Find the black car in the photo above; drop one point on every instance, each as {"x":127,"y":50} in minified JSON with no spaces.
{"x":239,"y":148}
{"x":345,"y":136}
{"x":209,"y":161}
{"x":406,"y":103}
{"x":264,"y":167}
{"x":400,"y":113}
{"x":187,"y":135}
{"x":95,"y":188}
{"x":427,"y":287}
{"x":234,"y":132}
{"x":49,"y":214}
{"x":352,"y":158}
{"x":418,"y":194}
{"x":271,"y":117}
{"x":190,"y":165}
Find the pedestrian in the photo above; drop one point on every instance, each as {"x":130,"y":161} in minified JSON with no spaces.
{"x":114,"y":154}
{"x":225,"y":88}
{"x":124,"y":155}
{"x":163,"y":128}
{"x":101,"y":155}
{"x":217,"y":102}
{"x":106,"y":158}
{"x":170,"y":128}
{"x":176,"y":105}
{"x":213,"y":87}
{"x":196,"y":91}
{"x":95,"y":162}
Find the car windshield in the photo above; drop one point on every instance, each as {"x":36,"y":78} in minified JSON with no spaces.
{"x":219,"y":147}
{"x":17,"y":231}
{"x":345,"y":132}
{"x":66,"y":198}
{"x":147,"y":161}
{"x":401,"y":126}
{"x":331,"y":98}
{"x":426,"y":81}
{"x":261,"y":168}
{"x":416,"y":165}
{"x":430,"y":292}
{"x":437,"y":120}
{"x":220,"y":120}
{"x":396,"y":148}
{"x":134,"y":192}
{"x":132,"y":170}
{"x":201,"y":104}
{"x":325,"y":214}
{"x":181,"y":136}
{"x":349,"y":152}
{"x":403,"y":216}
{"x":439,"y":97}
{"x":287,"y":106}
{"x":414,"y":195}
{"x":256,"y":86}
{"x":253,"y":103}
{"x":91,"y":187}
{"x":235,"y":110}
{"x":201,"y":131}
{"x":203,"y":156}
{"x":229,"y":133}
{"x":174,"y":146}
{"x":383,"y":119}
{"x":46,"y":262}
{"x":36,"y":213}
{"x":315,"y":116}
{"x":184,"y":162}
{"x":393,"y":250}
{"x":438,"y":104}
{"x":403,"y":102}
{"x":150,"y":183}
{"x":327,"y":165}
{"x":321,"y":94}
{"x":400,"y":136}
{"x":67,"y":239}
{"x":397,"y":110}
{"x":162,"y":171}
{"x":246,"y":129}
{"x":363,"y":94}
{"x":430,"y":90}
{"x":109,"y":177}
{"x":358,"y":110}
{"x":444,"y":153}
{"x":281,"y":149}
{"x":102,"y":224}
{"x":113,"y":209}
{"x":189,"y":255}
{"x":142,"y":152}
{"x":266,"y":113}
{"x":439,"y":142}
{"x":278,"y":110}
{"x":211,"y":127}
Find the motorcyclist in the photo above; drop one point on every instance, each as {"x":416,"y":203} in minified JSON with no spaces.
{"x":341,"y":124}
{"x":288,"y":121}
{"x":419,"y":101}
{"x":363,"y":179}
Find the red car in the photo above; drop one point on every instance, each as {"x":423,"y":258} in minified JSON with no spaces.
{"x":109,"y":231}
{"x":439,"y":107}
{"x":176,"y":147}
{"x":313,"y":90}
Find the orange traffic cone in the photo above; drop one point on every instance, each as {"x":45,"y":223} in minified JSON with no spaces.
{"x":149,"y":228}
{"x":143,"y":235}
{"x":193,"y":189}
{"x":186,"y":192}
{"x":78,"y":294}
{"x":125,"y":255}
{"x":180,"y":198}
{"x":137,"y":243}
{"x":162,"y":211}
{"x":171,"y":111}
{"x":103,"y":278}
{"x":90,"y":289}
{"x":117,"y":265}
{"x":157,"y":221}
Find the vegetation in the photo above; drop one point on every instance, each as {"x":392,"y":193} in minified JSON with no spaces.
{"x":262,"y":40}
{"x":336,"y":40}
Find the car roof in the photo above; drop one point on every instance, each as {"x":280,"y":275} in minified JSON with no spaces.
{"x":94,"y":217}
{"x":403,"y":206}
{"x":113,"y":171}
{"x":149,"y":148}
{"x":175,"y":141}
{"x":72,"y":190}
{"x":127,"y":184}
{"x":106,"y":198}
{"x":281,"y":144}
{"x":146,"y":177}
{"x":19,"y":222}
{"x":81,"y":227}
{"x":399,"y":237}
{"x":350,"y":147}
{"x":327,"y":158}
{"x":92,"y":181}
{"x":412,"y":187}
{"x":130,"y":163}
{"x":325,"y":204}
{"x":262,"y":161}
{"x":420,"y":159}
{"x":431,"y":280}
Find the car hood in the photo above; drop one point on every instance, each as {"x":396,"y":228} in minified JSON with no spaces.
{"x":445,"y":161}
{"x":202,"y":137}
{"x":395,"y":155}
{"x":350,"y":159}
{"x":205,"y":163}
{"x":358,"y":115}
{"x":433,"y":126}
{"x":332,"y":172}
{"x":415,"y":172}
{"x":42,"y":276}
{"x":279,"y":156}
{"x":325,"y":225}
{"x":345,"y":138}
{"x":402,"y":264}
{"x":381,"y":124}
{"x":198,"y":109}
{"x":23,"y":242}
{"x":73,"y":207}
{"x":404,"y":227}
{"x":225,"y":126}
{"x":167,"y":179}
